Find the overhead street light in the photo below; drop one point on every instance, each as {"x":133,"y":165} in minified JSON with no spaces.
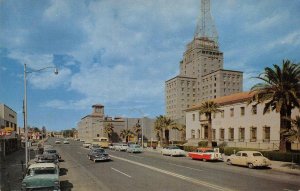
{"x":25,"y":105}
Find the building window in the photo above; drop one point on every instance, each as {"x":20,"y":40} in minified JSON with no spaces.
{"x":254,"y":109}
{"x":231,"y":134}
{"x":222,"y":113}
{"x":241,"y":134}
{"x":253,"y":133}
{"x":266,"y":134}
{"x":222,"y":134}
{"x":193,"y":117}
{"x":213,"y":134}
{"x":193,"y":134}
{"x":231,"y":112}
{"x":242,"y":111}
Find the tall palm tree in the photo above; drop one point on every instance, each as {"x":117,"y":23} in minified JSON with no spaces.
{"x":280,"y":91}
{"x":137,"y":129}
{"x":109,"y":129}
{"x":125,"y":134}
{"x":163,"y":124}
{"x":207,"y":108}
{"x":181,"y":128}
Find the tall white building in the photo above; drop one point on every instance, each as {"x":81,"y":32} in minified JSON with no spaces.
{"x":202,"y":76}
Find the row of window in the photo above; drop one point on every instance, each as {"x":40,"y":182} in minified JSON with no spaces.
{"x":222,"y":112}
{"x":231,"y":134}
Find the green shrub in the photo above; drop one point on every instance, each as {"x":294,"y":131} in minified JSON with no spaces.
{"x":205,"y":143}
{"x":189,"y":148}
{"x":280,"y":156}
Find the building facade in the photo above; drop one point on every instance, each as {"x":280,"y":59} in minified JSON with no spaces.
{"x":239,"y":124}
{"x":92,"y":126}
{"x":8,"y":117}
{"x":202,"y":74}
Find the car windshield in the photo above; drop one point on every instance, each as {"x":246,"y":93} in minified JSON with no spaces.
{"x":257,"y":154}
{"x":136,"y":146}
{"x":50,"y":151}
{"x":42,"y":171}
{"x":99,"y":151}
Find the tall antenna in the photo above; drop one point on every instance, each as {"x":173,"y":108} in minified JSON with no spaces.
{"x":205,"y":25}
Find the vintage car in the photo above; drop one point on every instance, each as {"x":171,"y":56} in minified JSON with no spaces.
{"x":98,"y":155}
{"x":121,"y":147}
{"x":94,"y":146}
{"x":86,"y":145}
{"x":45,"y":158}
{"x":51,"y":151}
{"x":173,"y":151}
{"x":134,"y":148}
{"x":206,"y":154}
{"x":251,"y":159}
{"x":57,"y":142}
{"x":66,"y":142}
{"x":42,"y":176}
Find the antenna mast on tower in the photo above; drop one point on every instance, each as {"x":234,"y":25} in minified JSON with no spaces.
{"x":206,"y":29}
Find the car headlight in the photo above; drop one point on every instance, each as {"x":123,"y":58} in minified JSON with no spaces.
{"x":24,"y":185}
{"x":56,"y":183}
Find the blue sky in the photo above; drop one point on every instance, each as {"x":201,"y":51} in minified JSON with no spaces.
{"x":119,"y":53}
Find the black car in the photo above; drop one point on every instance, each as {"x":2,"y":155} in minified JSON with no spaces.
{"x":98,"y":155}
{"x":51,"y":151}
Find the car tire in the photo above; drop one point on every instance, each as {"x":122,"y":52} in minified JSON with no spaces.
{"x":204,"y":160}
{"x":250,"y":165}
{"x":228,"y":162}
{"x":94,"y":160}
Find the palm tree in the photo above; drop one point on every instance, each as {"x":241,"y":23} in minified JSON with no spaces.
{"x":109,"y":129}
{"x":181,"y":128}
{"x":280,"y":91}
{"x":162,"y":124}
{"x":137,"y":129}
{"x":125,"y":134}
{"x":207,"y":108}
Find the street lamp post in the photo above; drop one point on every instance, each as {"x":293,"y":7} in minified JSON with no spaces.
{"x":25,"y":106}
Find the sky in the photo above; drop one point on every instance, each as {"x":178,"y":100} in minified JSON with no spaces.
{"x":120,"y":53}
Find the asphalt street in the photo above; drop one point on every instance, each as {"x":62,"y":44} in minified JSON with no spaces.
{"x":150,"y":171}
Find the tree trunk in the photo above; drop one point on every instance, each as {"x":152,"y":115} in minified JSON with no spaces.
{"x":161,"y":137}
{"x":209,"y":137}
{"x":284,"y":126}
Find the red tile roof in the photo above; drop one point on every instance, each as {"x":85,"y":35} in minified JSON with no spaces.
{"x":225,"y":100}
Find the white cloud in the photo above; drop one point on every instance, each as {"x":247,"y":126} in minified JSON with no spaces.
{"x":33,"y":61}
{"x":266,"y":23}
{"x":293,"y":39}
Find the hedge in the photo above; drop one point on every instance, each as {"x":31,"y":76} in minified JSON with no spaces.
{"x":272,"y":155}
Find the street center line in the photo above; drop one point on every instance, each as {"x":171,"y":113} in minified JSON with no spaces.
{"x":136,"y":156}
{"x":185,"y":167}
{"x":121,"y":172}
{"x":188,"y":179}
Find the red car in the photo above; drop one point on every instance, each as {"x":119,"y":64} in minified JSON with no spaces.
{"x":206,"y":154}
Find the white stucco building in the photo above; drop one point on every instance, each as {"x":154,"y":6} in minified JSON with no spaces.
{"x":239,"y":124}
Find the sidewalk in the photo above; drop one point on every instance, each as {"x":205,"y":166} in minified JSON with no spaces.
{"x":11,"y":175}
{"x":286,"y":167}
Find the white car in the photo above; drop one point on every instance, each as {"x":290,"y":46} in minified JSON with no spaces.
{"x":57,"y":142}
{"x":173,"y":151}
{"x":121,"y":147}
{"x":86,"y":145}
{"x":66,"y":142}
{"x":251,"y":159}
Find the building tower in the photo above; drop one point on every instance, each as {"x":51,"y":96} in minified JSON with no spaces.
{"x":201,"y":76}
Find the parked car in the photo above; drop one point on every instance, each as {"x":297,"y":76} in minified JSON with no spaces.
{"x":98,"y":155}
{"x":206,"y":154}
{"x":51,"y":151}
{"x":173,"y":151}
{"x":134,"y":148}
{"x":251,"y":159}
{"x":57,"y":142}
{"x":66,"y":142}
{"x":46,"y":158}
{"x":41,"y":176}
{"x":86,"y":145}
